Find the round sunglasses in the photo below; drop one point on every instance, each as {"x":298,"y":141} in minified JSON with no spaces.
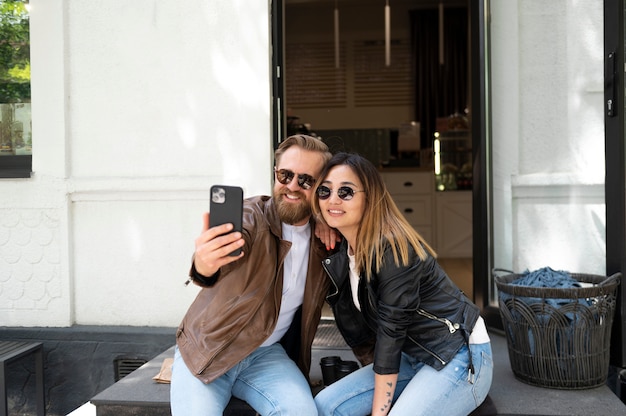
{"x":344,"y":192}
{"x":285,"y":176}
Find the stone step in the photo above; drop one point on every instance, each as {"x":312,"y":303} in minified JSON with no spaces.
{"x":138,"y":394}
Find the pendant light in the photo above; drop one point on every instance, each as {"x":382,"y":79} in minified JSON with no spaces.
{"x":336,"y":35}
{"x":441,"y":57}
{"x":387,"y":34}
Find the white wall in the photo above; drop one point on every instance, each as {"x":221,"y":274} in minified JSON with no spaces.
{"x":548,"y":135}
{"x":138,"y":108}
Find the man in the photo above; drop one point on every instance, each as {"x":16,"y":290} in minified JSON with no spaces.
{"x":260,"y":308}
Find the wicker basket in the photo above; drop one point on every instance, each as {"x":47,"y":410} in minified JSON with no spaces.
{"x":559,"y":337}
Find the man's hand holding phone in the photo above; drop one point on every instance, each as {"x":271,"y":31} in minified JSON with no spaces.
{"x":214,"y":247}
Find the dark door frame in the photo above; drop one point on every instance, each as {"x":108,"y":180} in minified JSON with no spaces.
{"x":481,"y":201}
{"x":615,"y":181}
{"x":279,"y":126}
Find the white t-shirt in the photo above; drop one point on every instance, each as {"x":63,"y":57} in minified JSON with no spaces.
{"x":354,"y":280}
{"x":294,"y":277}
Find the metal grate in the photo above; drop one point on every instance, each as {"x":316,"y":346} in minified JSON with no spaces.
{"x":328,"y":336}
{"x":125,"y":366}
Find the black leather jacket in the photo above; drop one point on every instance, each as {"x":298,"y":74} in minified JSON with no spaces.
{"x":415,"y":309}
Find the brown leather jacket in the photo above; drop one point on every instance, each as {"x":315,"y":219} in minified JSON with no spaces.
{"x":238,"y":309}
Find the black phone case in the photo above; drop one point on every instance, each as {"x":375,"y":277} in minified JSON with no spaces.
{"x":226,"y":207}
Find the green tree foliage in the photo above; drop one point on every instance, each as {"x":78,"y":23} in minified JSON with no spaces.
{"x":14,"y":51}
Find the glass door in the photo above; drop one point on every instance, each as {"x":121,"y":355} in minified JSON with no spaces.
{"x":539,"y":124}
{"x":549,"y":130}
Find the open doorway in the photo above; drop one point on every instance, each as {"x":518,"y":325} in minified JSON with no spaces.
{"x":358,"y":89}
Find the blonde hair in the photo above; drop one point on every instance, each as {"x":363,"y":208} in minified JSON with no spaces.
{"x":382,"y":223}
{"x":305,"y":142}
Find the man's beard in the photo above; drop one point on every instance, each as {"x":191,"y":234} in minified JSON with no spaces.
{"x":292,"y":213}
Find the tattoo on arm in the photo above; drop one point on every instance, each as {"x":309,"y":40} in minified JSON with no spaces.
{"x":388,"y":393}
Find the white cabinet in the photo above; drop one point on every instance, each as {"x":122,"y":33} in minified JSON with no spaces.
{"x":454,"y":223}
{"x":412,"y":191}
{"x":444,"y":219}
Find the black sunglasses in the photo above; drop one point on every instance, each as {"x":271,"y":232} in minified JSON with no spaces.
{"x":344,"y":192}
{"x":285,"y":177}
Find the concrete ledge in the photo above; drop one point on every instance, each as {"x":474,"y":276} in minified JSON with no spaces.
{"x":137,"y":391}
{"x":513,"y":397}
{"x":137,"y":394}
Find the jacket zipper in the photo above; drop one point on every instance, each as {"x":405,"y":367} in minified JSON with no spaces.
{"x":332,"y":278}
{"x":452,"y":327}
{"x":441,"y":360}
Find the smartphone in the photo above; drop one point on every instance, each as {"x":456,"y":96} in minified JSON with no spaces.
{"x":226,"y":207}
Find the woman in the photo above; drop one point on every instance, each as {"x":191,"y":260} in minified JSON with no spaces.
{"x":423,"y":344}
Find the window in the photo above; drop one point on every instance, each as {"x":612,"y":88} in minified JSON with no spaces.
{"x":15,"y":114}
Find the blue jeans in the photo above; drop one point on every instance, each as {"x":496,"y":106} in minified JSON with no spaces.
{"x":267,"y":379}
{"x":421,"y":390}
